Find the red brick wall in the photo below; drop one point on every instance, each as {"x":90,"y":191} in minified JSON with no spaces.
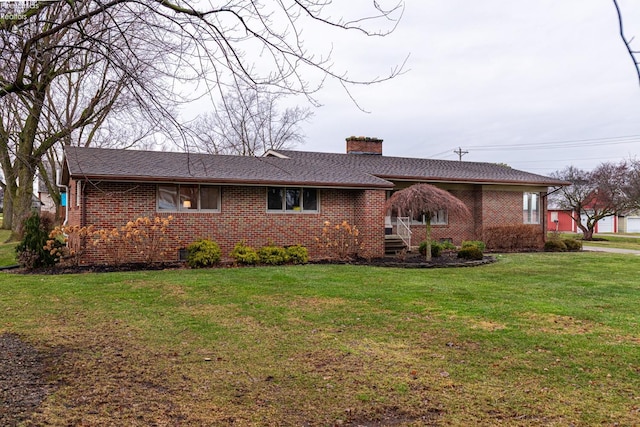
{"x":458,"y":228}
{"x":505,"y":208}
{"x":243,"y":216}
{"x":369,"y":218}
{"x":489,"y":207}
{"x":364,"y":145}
{"x":501,"y":208}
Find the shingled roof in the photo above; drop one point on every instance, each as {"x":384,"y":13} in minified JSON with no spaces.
{"x":163,"y":166}
{"x":286,"y":167}
{"x":426,"y":170}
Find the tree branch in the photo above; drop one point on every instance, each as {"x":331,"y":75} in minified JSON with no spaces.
{"x":627,"y":42}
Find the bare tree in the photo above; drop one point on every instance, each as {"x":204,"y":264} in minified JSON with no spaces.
{"x":107,"y":51}
{"x":593,"y":195}
{"x":71,"y":90}
{"x":248,"y":122}
{"x":633,"y":184}
{"x":628,"y":41}
{"x":427,"y":200}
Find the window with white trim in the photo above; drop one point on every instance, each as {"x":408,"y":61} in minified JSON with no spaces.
{"x":439,"y":218}
{"x":292,"y":199}
{"x":188,"y":198}
{"x":531,"y":208}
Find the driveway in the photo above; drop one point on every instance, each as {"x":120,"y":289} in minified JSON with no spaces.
{"x":610,"y":250}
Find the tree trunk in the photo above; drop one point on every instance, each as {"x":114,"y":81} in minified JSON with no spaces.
{"x":428,"y":237}
{"x":22,"y":201}
{"x":7,"y":210}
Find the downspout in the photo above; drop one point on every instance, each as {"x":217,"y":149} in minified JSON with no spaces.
{"x":66,"y":189}
{"x":83,"y":212}
{"x":83,"y":205}
{"x":544,"y":217}
{"x":544,"y":213}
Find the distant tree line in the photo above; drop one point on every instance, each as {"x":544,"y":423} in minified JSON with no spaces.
{"x":608,"y":190}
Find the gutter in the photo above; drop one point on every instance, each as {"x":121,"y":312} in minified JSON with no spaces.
{"x":237,"y":182}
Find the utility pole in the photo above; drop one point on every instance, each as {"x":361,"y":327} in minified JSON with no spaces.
{"x":460,"y":152}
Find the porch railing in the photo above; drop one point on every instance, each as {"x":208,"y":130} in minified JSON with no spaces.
{"x":403,"y":230}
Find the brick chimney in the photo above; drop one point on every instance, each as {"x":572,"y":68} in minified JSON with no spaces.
{"x":364,"y":145}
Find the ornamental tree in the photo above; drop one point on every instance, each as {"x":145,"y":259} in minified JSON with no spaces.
{"x":427,"y":200}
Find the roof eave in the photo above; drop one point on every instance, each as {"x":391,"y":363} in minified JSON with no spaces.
{"x":248,"y":182}
{"x":441,"y":180}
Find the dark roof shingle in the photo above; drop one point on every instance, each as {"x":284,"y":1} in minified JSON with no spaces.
{"x":287,"y":167}
{"x":407,"y":168}
{"x":133,"y":165}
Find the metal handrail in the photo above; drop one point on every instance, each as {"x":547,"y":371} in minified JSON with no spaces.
{"x":404,"y":230}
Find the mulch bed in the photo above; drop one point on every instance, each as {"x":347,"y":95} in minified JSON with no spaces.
{"x":418,"y":261}
{"x":413,"y":260}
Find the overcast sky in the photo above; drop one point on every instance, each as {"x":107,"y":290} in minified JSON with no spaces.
{"x":536,"y":84}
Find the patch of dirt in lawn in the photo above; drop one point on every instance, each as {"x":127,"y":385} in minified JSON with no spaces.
{"x":99,"y":379}
{"x":564,"y":324}
{"x":22,"y":380}
{"x":393,"y":416}
{"x":487,"y":325}
{"x":105,"y":376}
{"x":344,"y":369}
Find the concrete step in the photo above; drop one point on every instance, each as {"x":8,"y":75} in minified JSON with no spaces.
{"x":393,"y":245}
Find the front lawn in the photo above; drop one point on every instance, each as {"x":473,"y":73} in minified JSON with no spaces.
{"x":533,"y":340}
{"x":613,"y":241}
{"x":622,"y":241}
{"x":7,"y":249}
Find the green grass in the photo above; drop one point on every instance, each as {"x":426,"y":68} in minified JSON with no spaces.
{"x":7,"y":249}
{"x":535,"y":339}
{"x":609,"y":240}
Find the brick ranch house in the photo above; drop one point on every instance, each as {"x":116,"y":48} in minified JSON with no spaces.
{"x":284,"y":197}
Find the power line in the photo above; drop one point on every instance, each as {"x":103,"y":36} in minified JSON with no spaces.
{"x":573,"y":143}
{"x":627,"y":139}
{"x":460,"y":152}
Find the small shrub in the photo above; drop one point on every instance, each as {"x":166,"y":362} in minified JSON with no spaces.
{"x":514,"y":237}
{"x":448,"y":246}
{"x":148,"y":236}
{"x":297,"y":254}
{"x":66,"y":242}
{"x":145,"y":239}
{"x":203,"y":253}
{"x":340,"y":241}
{"x":477,"y":243}
{"x":573,"y":245}
{"x":272,"y":255}
{"x":436,"y":249}
{"x":470,"y":253}
{"x":243,"y":254}
{"x":31,"y":252}
{"x":115,"y":243}
{"x":555,"y":245}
